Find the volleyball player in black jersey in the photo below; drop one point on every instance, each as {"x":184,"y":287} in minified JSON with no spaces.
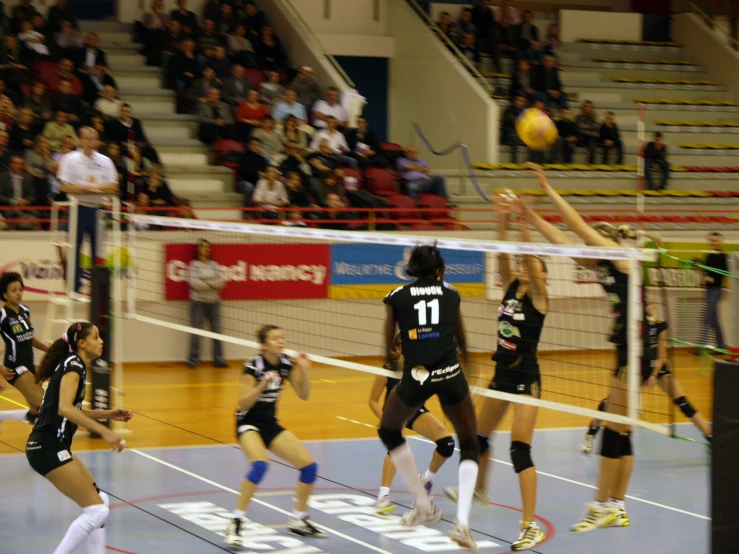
{"x":427,"y":312}
{"x":18,"y":335}
{"x":655,"y":370}
{"x":258,"y":430}
{"x":423,"y":422}
{"x":520,"y":320}
{"x":617,"y":459}
{"x":49,"y":448}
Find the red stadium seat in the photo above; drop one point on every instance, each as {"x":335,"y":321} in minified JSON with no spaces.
{"x":392,"y":151}
{"x":351,"y":172}
{"x":405,"y":202}
{"x":380,"y":181}
{"x":440,"y":215}
{"x":43,"y":71}
{"x":256,"y":76}
{"x":223,"y":147}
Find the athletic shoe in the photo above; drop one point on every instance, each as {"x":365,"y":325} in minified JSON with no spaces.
{"x":384,"y":505}
{"x":305,"y":528}
{"x":586,"y":447}
{"x":233,"y":531}
{"x":621,"y":518}
{"x":479,"y":496}
{"x":421,"y":517}
{"x":595,"y":517}
{"x":529,"y":536}
{"x":462,"y":536}
{"x":427,"y":485}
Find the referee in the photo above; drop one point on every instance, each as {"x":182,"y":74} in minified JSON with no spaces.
{"x":89,"y":176}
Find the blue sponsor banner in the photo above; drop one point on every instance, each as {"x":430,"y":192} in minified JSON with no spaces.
{"x":372,"y":270}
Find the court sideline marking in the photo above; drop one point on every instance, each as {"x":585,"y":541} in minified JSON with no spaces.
{"x":261,"y":502}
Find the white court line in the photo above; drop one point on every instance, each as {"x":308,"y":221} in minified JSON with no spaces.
{"x":263,"y":503}
{"x":586,"y":485}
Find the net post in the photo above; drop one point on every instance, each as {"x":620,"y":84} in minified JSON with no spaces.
{"x":71,"y":251}
{"x":131,"y":272}
{"x":640,"y":165}
{"x":117,"y":310}
{"x":633,"y":339}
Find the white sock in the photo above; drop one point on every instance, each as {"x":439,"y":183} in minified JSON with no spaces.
{"x":96,"y":541}
{"x":384,"y":491}
{"x":300,"y":515}
{"x":428,"y":476}
{"x":15,"y":415}
{"x":600,"y":505}
{"x":91,"y":519}
{"x":239,"y":514}
{"x":619,"y":504}
{"x":406,"y":466}
{"x":467,"y":480}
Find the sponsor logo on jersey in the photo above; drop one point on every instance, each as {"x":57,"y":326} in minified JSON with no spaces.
{"x":521,"y":388}
{"x":16,"y":327}
{"x":507,"y":330}
{"x":63,"y":455}
{"x":445,"y":373}
{"x":412,"y":334}
{"x":507,"y":345}
{"x":424,"y":333}
{"x":420,"y":374}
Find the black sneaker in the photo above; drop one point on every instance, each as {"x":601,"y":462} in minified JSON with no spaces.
{"x":304,"y":528}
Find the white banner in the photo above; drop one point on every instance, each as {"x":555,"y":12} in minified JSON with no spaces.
{"x":37,"y":261}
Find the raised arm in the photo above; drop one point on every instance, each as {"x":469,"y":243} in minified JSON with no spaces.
{"x":537,"y":275}
{"x":504,"y":260}
{"x":299,"y":377}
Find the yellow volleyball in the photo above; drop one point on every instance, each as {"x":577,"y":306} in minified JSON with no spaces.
{"x":536,"y":129}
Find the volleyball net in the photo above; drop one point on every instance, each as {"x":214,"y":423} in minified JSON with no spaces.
{"x":325,"y":289}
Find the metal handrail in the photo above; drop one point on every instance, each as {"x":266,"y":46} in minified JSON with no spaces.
{"x":317,"y":44}
{"x":706,"y":18}
{"x":453,"y":47}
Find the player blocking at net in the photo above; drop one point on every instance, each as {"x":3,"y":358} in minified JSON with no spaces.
{"x":258,"y":431}
{"x":427,"y":313}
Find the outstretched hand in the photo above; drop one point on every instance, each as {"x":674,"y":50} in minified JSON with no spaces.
{"x":303,"y":361}
{"x":538,"y":172}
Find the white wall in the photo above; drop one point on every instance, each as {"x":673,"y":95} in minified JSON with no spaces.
{"x":345,"y":17}
{"x":429,"y":86}
{"x":577,"y":24}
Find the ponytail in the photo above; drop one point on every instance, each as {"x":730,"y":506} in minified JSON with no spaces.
{"x":61,"y":349}
{"x":624,"y":232}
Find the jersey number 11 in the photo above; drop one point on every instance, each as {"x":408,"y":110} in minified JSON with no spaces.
{"x":421,"y":308}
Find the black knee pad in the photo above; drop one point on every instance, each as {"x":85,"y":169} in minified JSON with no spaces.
{"x":602,"y":405}
{"x":685,"y":407}
{"x":483,"y":444}
{"x":391,"y":438}
{"x":626,"y":449}
{"x":469,"y":451}
{"x":445,"y":447}
{"x":521,"y":456}
{"x":610,"y":446}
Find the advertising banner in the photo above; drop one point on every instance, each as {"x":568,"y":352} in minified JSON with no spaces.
{"x":373,"y":270}
{"x":38,"y":263}
{"x":255,"y":271}
{"x":671,"y":273}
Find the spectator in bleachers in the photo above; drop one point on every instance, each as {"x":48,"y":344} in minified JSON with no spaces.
{"x":320,"y":162}
{"x":208,"y":38}
{"x":98,"y":78}
{"x":330,"y":107}
{"x":219,"y":62}
{"x":610,"y":139}
{"x":363,"y":144}
{"x":67,"y":39}
{"x":254,"y":20}
{"x":183,"y":70}
{"x":527,"y":32}
{"x":236,"y":86}
{"x":524,"y":81}
{"x":269,"y":50}
{"x":155,"y":28}
{"x":336,"y":213}
{"x":269,"y":139}
{"x":160,"y":195}
{"x":506,"y":17}
{"x":447,"y":26}
{"x":290,"y":130}
{"x":200,"y":88}
{"x":297,"y":192}
{"x":17,"y":189}
{"x":113,"y":151}
{"x":549,"y":86}
{"x":289,"y":105}
{"x":5,"y":152}
{"x":211,"y":9}
{"x":508,"y":131}
{"x":271,"y":90}
{"x":415,"y":172}
{"x":171,"y":44}
{"x":68,"y":102}
{"x":468,"y":48}
{"x":90,"y":55}
{"x":8,"y":94}
{"x":69,"y":143}
{"x":251,"y":165}
{"x":568,"y":136}
{"x":32,"y":39}
{"x":39,"y":25}
{"x":22,"y":11}
{"x":270,"y":194}
{"x":240,"y":48}
{"x":65,"y":71}
{"x":552,"y":44}
{"x":97,"y":122}
{"x":109,"y":104}
{"x":59,"y":128}
{"x":250,"y":114}
{"x":224,"y":20}
{"x":187,"y":19}
{"x":23,"y":132}
{"x":336,"y":143}
{"x":38,"y":161}
{"x":464,"y":23}
{"x":306,"y":86}
{"x":216,"y":121}
{"x":15,"y":63}
{"x":655,"y":160}
{"x":331,"y":182}
{"x":58,"y":13}
{"x":119,"y":130}
{"x":295,"y":162}
{"x":588,"y":129}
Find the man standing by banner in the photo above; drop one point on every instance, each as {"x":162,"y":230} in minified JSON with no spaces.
{"x":715,"y":260}
{"x":89,"y":176}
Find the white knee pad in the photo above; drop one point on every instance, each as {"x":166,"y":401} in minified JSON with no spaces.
{"x":94,"y":517}
{"x":106,"y":499}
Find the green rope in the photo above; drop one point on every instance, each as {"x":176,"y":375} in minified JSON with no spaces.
{"x":699,"y":265}
{"x":704,"y":347}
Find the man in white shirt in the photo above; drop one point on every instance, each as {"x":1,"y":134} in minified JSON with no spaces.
{"x":90,"y":177}
{"x":109,"y":104}
{"x":330,"y":107}
{"x":336,"y":142}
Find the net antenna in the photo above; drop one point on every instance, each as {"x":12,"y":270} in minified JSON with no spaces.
{"x":344,"y":323}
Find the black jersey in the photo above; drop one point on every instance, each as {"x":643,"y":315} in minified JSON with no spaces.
{"x":18,"y":337}
{"x":49,"y":421}
{"x":426,"y":312}
{"x":651,"y":341}
{"x":519,"y":330}
{"x":616,"y":285}
{"x":265,"y":408}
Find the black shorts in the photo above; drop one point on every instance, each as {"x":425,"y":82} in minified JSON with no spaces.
{"x":268,"y":429}
{"x":622,"y":374}
{"x":446,"y":381}
{"x":20,"y":370}
{"x":45,"y":454}
{"x":422,"y":410}
{"x":515,"y":381}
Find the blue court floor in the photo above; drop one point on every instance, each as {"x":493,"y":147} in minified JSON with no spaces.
{"x":178,"y":500}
